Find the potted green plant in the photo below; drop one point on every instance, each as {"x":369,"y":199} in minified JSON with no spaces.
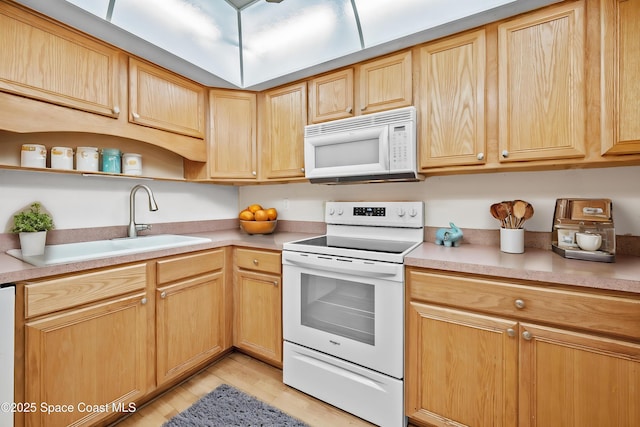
{"x":32,"y":225}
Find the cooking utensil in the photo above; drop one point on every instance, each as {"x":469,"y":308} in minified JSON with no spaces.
{"x":511,"y":214}
{"x":519,"y":210}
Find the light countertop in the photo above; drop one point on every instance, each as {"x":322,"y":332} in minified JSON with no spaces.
{"x":533,"y":265}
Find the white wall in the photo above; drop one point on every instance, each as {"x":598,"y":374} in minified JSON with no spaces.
{"x":81,"y":202}
{"x":76,"y":201}
{"x":465,"y":199}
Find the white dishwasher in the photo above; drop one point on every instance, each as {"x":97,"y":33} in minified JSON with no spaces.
{"x":7,"y":327}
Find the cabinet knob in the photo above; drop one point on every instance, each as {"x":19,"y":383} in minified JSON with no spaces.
{"x":254,"y":173}
{"x":143,"y":301}
{"x":480,"y":156}
{"x":163,"y":295}
{"x":275,"y":283}
{"x":511,"y":332}
{"x":349,"y":110}
{"x":301,"y":169}
{"x":364,"y":107}
{"x":505,"y":153}
{"x":135,"y":115}
{"x":116,"y":110}
{"x":527,"y":335}
{"x":519,"y":303}
{"x":255,"y":262}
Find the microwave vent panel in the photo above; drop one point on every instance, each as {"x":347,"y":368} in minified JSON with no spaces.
{"x":353,"y":123}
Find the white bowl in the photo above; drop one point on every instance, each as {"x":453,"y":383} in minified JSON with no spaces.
{"x":589,"y":241}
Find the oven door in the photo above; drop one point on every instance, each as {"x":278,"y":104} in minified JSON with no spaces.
{"x":348,"y":308}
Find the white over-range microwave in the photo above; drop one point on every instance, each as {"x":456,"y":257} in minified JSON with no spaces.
{"x":373,"y":147}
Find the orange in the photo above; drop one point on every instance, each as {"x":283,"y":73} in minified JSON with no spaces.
{"x":261,"y":215}
{"x":246,"y":215}
{"x":272,"y":214}
{"x":255,"y":207}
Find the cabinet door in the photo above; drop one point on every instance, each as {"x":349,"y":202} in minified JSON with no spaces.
{"x":96,"y":355}
{"x":541,"y":85}
{"x":283,"y":135}
{"x":620,"y":124}
{"x":572,"y":380}
{"x":44,"y":61}
{"x":162,"y":100}
{"x":232,"y":148}
{"x":462,"y":368}
{"x":331,"y":96}
{"x":452,"y":92}
{"x":385,"y":83}
{"x":258,"y":315}
{"x":190,"y":319}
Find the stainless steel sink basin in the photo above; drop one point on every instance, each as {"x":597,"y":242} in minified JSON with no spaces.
{"x":84,"y":251}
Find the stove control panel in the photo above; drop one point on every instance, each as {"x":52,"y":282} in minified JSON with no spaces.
{"x":369,"y":211}
{"x":380,"y":214}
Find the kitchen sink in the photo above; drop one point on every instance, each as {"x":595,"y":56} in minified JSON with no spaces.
{"x":84,"y":251}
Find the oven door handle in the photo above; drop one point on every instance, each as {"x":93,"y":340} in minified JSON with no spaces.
{"x":343,"y":265}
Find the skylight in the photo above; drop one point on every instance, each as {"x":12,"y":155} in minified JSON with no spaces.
{"x":256,"y":44}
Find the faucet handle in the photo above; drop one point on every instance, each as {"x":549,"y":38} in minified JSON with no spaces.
{"x":142,"y":227}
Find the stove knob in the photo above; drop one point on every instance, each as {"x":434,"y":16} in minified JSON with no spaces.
{"x":331,"y":211}
{"x":340,"y":211}
{"x":401,"y":212}
{"x":413,"y":212}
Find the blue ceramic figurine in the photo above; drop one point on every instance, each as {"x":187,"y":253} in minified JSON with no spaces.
{"x":449,"y":236}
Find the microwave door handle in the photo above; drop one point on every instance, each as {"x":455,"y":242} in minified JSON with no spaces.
{"x":384,"y":148}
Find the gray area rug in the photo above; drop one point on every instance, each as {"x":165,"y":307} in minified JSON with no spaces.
{"x":227,"y":406}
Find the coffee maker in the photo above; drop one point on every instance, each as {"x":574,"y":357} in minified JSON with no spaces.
{"x":577,"y":221}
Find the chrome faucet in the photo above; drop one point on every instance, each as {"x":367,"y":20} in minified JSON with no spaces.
{"x":153,"y":206}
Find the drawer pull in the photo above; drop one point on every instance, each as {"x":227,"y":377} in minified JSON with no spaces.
{"x":255,"y":262}
{"x":163,"y":295}
{"x":519,"y":303}
{"x":527,"y":335}
{"x":143,"y":301}
{"x":511,"y":332}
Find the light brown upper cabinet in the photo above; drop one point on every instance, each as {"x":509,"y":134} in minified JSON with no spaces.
{"x":282,"y":133}
{"x":43,"y":61}
{"x":541,"y":85}
{"x":233,"y":141}
{"x":385,"y":83}
{"x":452,"y":101}
{"x":331,"y":96}
{"x":620,"y":121}
{"x":166,"y":101}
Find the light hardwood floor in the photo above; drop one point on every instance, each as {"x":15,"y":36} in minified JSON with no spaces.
{"x":251,"y":376}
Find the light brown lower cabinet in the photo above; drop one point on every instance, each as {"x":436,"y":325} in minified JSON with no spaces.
{"x":84,"y":363}
{"x":258,"y":304}
{"x":478,"y":354}
{"x":191,"y":317}
{"x":97,"y":342}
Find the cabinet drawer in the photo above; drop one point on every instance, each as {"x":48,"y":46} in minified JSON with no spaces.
{"x":251,"y":259}
{"x":583,"y":310}
{"x":47,"y":296}
{"x":181,"y":267}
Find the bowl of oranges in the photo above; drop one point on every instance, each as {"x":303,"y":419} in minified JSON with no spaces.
{"x":257,"y":220}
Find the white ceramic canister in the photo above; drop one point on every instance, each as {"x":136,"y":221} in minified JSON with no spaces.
{"x":62,"y":158}
{"x":87,"y":159}
{"x":132,"y":164}
{"x":33,"y":156}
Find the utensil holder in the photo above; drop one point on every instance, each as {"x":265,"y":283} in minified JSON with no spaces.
{"x":512,"y":240}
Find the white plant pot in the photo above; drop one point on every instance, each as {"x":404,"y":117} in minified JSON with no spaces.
{"x":32,"y":244}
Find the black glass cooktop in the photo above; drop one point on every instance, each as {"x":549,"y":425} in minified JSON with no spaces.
{"x":372,"y":245}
